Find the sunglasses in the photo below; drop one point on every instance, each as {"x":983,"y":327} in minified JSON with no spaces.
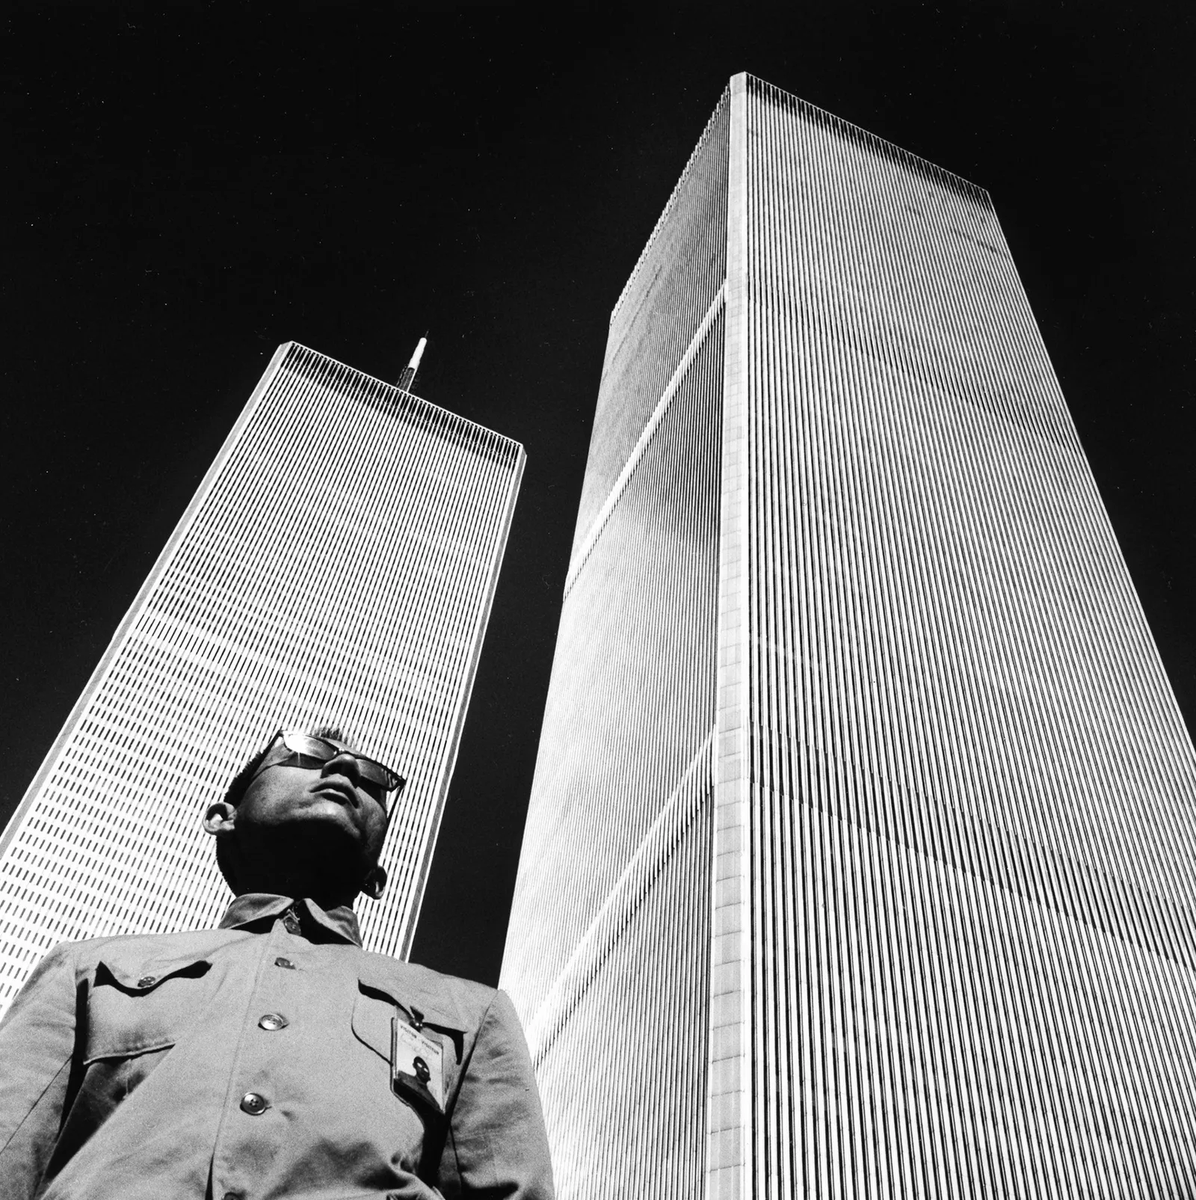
{"x":307,"y":750}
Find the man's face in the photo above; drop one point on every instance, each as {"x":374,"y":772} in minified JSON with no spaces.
{"x":331,"y":798}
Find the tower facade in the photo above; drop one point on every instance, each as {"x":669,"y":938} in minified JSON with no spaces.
{"x":860,"y":855}
{"x":336,"y":565}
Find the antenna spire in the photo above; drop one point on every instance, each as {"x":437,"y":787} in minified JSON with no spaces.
{"x":408,"y":376}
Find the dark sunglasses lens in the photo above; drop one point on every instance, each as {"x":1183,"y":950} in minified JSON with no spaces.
{"x":383,"y":778}
{"x":376,"y":773}
{"x":309,"y":747}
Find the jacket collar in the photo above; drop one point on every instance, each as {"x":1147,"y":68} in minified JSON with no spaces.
{"x":259,"y":908}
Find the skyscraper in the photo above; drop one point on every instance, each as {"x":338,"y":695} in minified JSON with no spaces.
{"x":860,"y":856}
{"x":337,"y":564}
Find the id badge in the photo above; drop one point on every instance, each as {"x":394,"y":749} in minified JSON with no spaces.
{"x":416,"y":1065}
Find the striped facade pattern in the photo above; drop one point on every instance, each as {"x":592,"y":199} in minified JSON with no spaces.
{"x":949,"y":877}
{"x":621,"y":799}
{"x":336,"y":566}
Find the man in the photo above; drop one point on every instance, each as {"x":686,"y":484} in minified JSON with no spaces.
{"x":271,"y":1057}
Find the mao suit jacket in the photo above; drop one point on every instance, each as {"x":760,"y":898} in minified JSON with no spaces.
{"x":272,"y":1057}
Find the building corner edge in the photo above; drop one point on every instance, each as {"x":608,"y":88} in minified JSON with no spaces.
{"x":728,"y":1082}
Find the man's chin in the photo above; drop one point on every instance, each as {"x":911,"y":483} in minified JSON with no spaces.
{"x":319,"y":837}
{"x":322,"y":810}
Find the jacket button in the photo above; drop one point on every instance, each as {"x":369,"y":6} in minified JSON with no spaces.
{"x":147,"y":981}
{"x":284,"y":962}
{"x":272,"y":1021}
{"x":253,"y":1104}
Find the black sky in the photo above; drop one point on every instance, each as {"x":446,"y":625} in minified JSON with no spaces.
{"x":188,"y":186}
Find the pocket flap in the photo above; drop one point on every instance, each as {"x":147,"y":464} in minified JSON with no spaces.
{"x":413,"y":1001}
{"x":144,"y":975}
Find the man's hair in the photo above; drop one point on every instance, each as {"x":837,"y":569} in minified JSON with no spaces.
{"x":235,"y":792}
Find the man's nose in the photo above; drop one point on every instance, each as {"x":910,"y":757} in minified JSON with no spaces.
{"x":345,"y":764}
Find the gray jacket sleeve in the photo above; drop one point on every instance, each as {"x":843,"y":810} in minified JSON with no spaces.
{"x":496,"y":1145}
{"x":37,"y":1039}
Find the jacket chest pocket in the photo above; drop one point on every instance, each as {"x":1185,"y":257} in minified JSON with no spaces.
{"x":135,"y":1008}
{"x":420,"y":1050}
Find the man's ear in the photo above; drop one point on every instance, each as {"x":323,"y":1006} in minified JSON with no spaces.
{"x":220,"y":818}
{"x":374,"y":883}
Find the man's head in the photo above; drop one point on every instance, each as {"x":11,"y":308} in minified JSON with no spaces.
{"x":306,"y":815}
